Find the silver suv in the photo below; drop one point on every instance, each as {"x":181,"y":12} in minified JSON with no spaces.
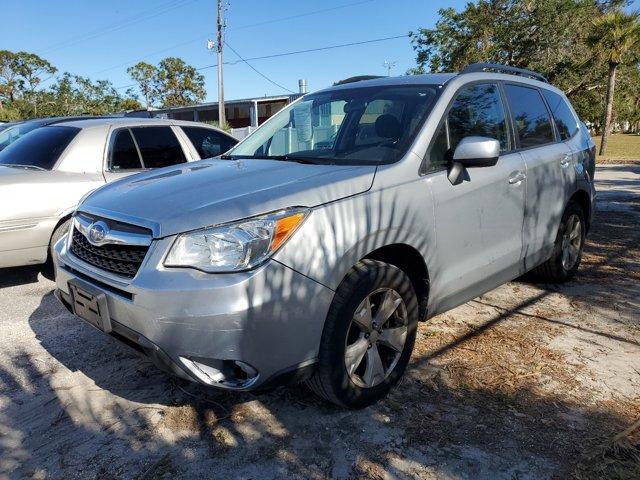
{"x":314,"y":247}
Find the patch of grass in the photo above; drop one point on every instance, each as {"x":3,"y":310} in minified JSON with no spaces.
{"x":621,"y":148}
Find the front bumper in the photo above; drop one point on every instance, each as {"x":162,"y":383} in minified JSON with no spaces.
{"x":238,"y":331}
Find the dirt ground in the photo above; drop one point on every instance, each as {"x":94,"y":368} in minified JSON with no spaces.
{"x":527,"y":381}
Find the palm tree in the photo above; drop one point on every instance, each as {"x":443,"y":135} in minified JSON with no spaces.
{"x":616,"y":36}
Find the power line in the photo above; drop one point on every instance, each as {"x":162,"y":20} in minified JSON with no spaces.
{"x":310,"y":50}
{"x":133,"y":62}
{"x":295,"y":52}
{"x":140,"y":17}
{"x":291,"y":17}
{"x":241,"y":27}
{"x":256,"y":70}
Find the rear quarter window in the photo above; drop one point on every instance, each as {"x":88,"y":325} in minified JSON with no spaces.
{"x":40,"y":148}
{"x":208,"y":142}
{"x":566,"y":122}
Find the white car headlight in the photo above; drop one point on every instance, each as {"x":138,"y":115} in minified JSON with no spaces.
{"x":236,"y":246}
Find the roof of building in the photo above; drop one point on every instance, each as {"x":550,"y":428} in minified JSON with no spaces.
{"x":271,"y":98}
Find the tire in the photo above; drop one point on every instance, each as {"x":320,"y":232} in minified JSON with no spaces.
{"x":58,"y":233}
{"x":381,"y":285}
{"x":556,"y":269}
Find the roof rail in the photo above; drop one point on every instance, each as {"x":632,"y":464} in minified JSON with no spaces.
{"x":358,"y":78}
{"x":496,"y":67}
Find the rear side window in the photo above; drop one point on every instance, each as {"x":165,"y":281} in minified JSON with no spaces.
{"x":124,"y":155}
{"x":562,"y":114}
{"x":158,"y":146}
{"x":40,"y":148}
{"x":532,"y":122}
{"x":476,"y":111}
{"x":209,"y":143}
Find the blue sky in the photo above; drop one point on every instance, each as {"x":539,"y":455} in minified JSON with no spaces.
{"x":100,"y":39}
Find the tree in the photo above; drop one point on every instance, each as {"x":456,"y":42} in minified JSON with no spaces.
{"x":144,"y":75}
{"x":177,"y":83}
{"x":9,"y":76}
{"x":548,"y":36}
{"x":615,"y":36}
{"x":30,"y":67}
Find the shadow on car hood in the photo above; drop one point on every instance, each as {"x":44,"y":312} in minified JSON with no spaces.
{"x":210,"y":192}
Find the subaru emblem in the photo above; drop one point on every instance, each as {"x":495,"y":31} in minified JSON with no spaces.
{"x":97,"y":232}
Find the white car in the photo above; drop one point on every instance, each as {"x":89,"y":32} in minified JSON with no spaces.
{"x":44,"y":174}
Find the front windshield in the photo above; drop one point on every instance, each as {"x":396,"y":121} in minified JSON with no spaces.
{"x":365,"y":125}
{"x":40,"y":149}
{"x":13,"y":133}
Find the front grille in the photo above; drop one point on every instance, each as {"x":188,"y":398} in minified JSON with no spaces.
{"x":123,"y":260}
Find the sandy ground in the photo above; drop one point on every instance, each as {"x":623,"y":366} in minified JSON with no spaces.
{"x":527,"y":381}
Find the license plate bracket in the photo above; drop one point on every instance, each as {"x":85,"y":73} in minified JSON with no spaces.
{"x":90,"y":304}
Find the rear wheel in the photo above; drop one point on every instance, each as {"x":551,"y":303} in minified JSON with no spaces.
{"x":368,"y":336}
{"x":567,"y":250}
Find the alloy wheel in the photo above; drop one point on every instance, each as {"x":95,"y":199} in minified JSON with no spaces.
{"x":376,"y":337}
{"x":571,"y":242}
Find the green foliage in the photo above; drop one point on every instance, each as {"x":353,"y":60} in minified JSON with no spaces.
{"x":615,"y":36}
{"x":172,"y":83}
{"x":214,"y":123}
{"x":22,"y":96}
{"x":177,"y":83}
{"x":548,"y":36}
{"x":144,"y":75}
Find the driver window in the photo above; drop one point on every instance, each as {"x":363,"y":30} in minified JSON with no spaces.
{"x":476,"y":111}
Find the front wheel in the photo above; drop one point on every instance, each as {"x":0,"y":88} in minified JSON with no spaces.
{"x":368,"y":336}
{"x":567,"y":250}
{"x":60,"y":231}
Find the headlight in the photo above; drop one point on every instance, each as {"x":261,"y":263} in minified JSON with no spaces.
{"x":235,"y":246}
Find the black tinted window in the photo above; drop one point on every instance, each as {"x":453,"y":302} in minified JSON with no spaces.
{"x":124,"y":155}
{"x":159,"y":146}
{"x":476,"y":111}
{"x":533,"y":125}
{"x":562,"y":115}
{"x":40,"y":148}
{"x":208,"y":142}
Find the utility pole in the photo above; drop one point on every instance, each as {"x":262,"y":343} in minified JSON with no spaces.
{"x":221,"y":116}
{"x":388,"y":64}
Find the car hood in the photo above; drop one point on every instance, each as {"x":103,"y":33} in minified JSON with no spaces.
{"x":210,"y":192}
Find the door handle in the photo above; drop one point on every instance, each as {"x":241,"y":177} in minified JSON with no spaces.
{"x":517,"y":177}
{"x":564,"y":163}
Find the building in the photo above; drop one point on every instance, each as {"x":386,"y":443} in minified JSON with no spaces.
{"x":247,"y":112}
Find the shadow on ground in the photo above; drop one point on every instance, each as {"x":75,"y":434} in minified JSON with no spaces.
{"x":486,"y":396}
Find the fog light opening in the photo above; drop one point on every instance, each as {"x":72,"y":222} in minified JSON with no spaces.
{"x":226,"y":373}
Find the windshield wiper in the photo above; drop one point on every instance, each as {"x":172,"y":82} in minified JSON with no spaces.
{"x":30,"y":167}
{"x":282,"y":158}
{"x":293,"y":158}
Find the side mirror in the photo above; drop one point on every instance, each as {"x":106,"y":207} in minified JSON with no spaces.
{"x":474,"y":152}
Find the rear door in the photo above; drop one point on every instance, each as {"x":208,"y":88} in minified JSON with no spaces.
{"x":549,"y":172}
{"x":134,"y":149}
{"x":478,"y":221}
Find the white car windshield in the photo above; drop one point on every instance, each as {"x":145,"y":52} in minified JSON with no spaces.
{"x":360,"y":125}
